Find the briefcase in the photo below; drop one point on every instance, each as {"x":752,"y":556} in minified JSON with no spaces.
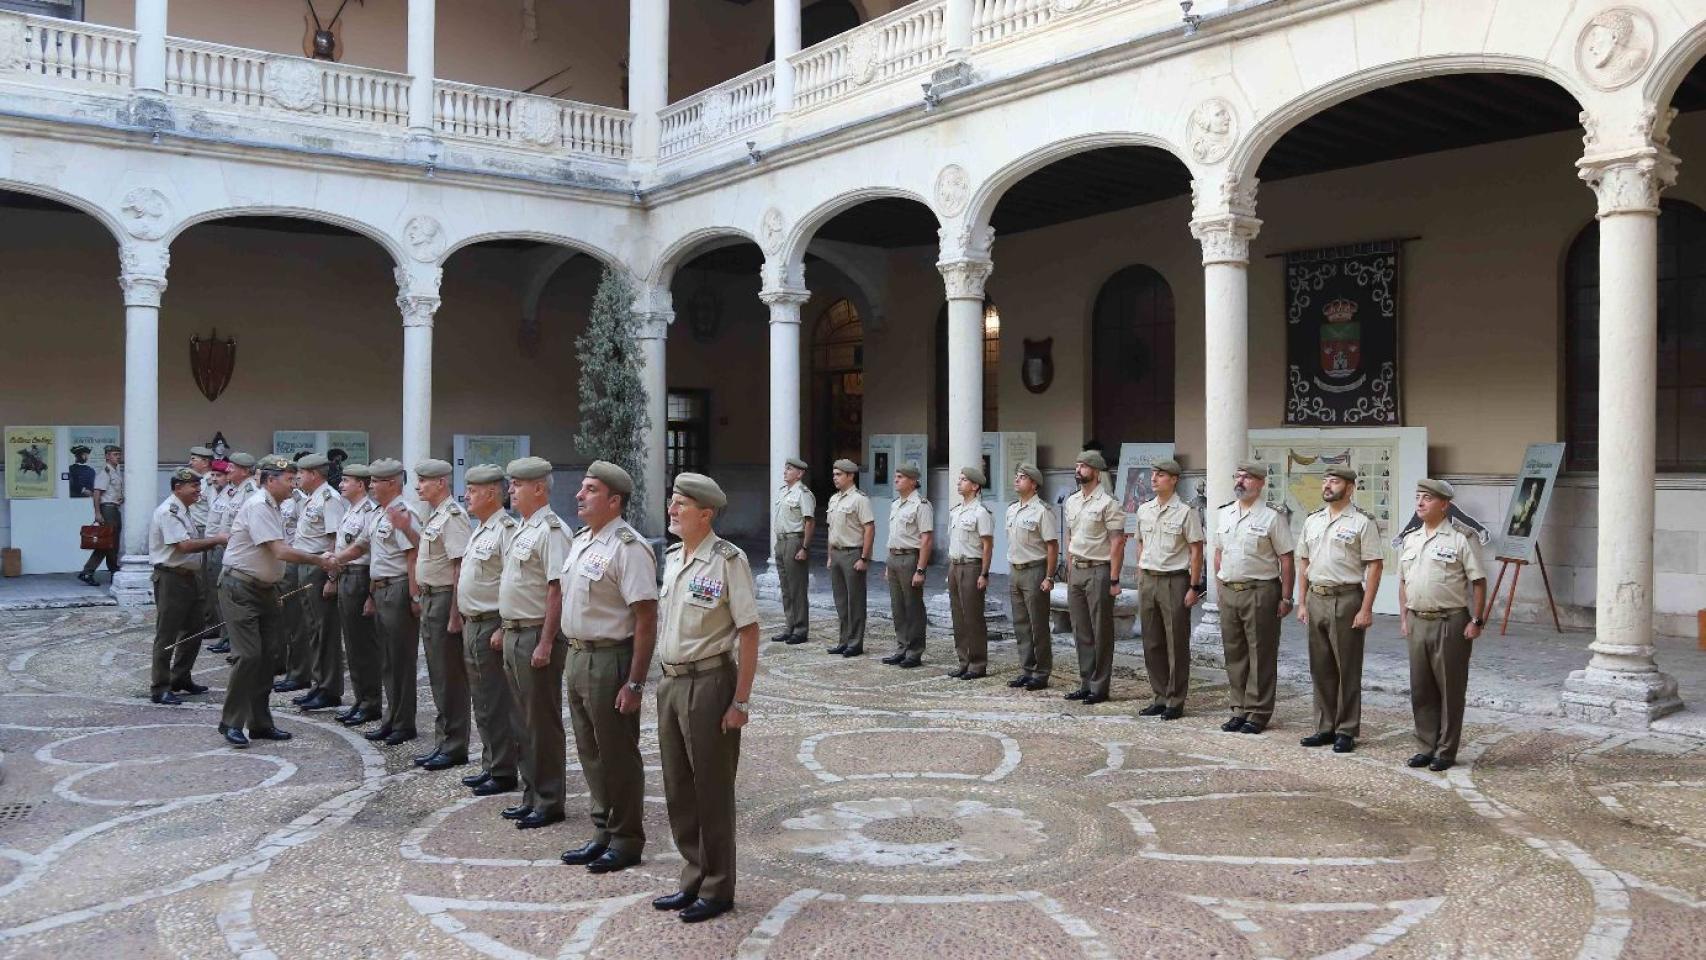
{"x":97,"y":536}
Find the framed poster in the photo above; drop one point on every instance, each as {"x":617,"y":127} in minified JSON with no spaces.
{"x":1342,"y":310}
{"x":80,"y":477}
{"x":1529,"y":501}
{"x":32,"y":464}
{"x":352,"y":443}
{"x":471,"y":450}
{"x":1132,"y":484}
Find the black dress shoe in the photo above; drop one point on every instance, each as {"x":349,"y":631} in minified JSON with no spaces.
{"x":584,"y":854}
{"x":304,"y":698}
{"x":959,"y":674}
{"x":837,"y":650}
{"x":1095,"y":698}
{"x":1441,"y":764}
{"x":705,"y":910}
{"x":1078,"y":694}
{"x":679,"y":900}
{"x":399,"y":736}
{"x":87,"y":578}
{"x":495,"y":786}
{"x":421,"y":758}
{"x":968,"y":675}
{"x":1019,"y":681}
{"x":516,"y":812}
{"x":611,"y":861}
{"x":1172,"y":713}
{"x":1420,"y":760}
{"x":363,"y":718}
{"x":1037,"y":683}
{"x":235,"y":737}
{"x":853,"y":652}
{"x":894,"y":660}
{"x":796,"y":639}
{"x":1316,"y":740}
{"x":443,"y":761}
{"x":1153,"y":710}
{"x":1344,"y":744}
{"x":167,"y":699}
{"x":1251,"y":726}
{"x":911,"y":664}
{"x":534,"y":820}
{"x":376,"y":735}
{"x":289,"y":686}
{"x":192,"y":688}
{"x":1233,"y":725}
{"x":475,"y":779}
{"x":781,"y":638}
{"x":270,"y":733}
{"x":320,"y":702}
{"x":223,"y":646}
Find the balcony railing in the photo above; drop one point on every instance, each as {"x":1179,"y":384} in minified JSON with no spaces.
{"x":890,"y":47}
{"x":730,"y":108}
{"x":69,"y":53}
{"x":506,"y":117}
{"x":237,"y":77}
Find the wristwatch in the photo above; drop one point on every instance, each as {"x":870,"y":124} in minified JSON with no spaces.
{"x":741,"y":706}
{"x":1478,"y":621}
{"x":919,"y":570}
{"x":1200,"y":588}
{"x":864,"y":559}
{"x":635,"y":688}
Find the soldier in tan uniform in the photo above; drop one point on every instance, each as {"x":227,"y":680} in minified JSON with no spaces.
{"x":353,"y":587}
{"x":852,"y":529}
{"x":479,"y":579}
{"x":213,"y":494}
{"x":708,"y":645}
{"x":1095,"y":548}
{"x":1253,"y":568}
{"x":201,"y":464}
{"x":444,"y":541}
{"x":1339,"y":576}
{"x":107,"y":496}
{"x":911,"y":524}
{"x":608,"y":592}
{"x":1033,"y":551}
{"x":321,"y":513}
{"x":971,"y":542}
{"x":530,"y":606}
{"x":390,"y":540}
{"x":1170,"y":582}
{"x":1441,"y":593}
{"x":176,"y":548}
{"x":293,"y":658}
{"x":239,"y":487}
{"x":794,"y":519}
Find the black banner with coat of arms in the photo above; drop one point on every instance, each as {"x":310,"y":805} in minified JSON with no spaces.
{"x":1342,"y":336}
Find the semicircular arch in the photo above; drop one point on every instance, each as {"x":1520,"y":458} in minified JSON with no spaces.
{"x":537,"y":236}
{"x":81,"y":205}
{"x":690,"y":245}
{"x":360,"y":227}
{"x":805,"y":229}
{"x":989,"y":193}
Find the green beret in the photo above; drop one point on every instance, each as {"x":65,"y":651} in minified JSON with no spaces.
{"x":908,"y":469}
{"x":359,"y":471}
{"x":846,"y":466}
{"x":1343,"y":473}
{"x":975,"y":476}
{"x":113,"y":448}
{"x":796,"y":463}
{"x":701,"y":490}
{"x":385,"y":468}
{"x":485,"y":473}
{"x":1167,"y":466}
{"x":1093,"y":459}
{"x":202,"y":452}
{"x":1254,"y":469}
{"x":314,"y":461}
{"x":79,"y":449}
{"x":1438,"y":488}
{"x":1030,"y":470}
{"x":529,"y":468}
{"x":240,"y":459}
{"x":274,"y":462}
{"x":432,"y":469}
{"x":184,"y":475}
{"x":612,"y":476}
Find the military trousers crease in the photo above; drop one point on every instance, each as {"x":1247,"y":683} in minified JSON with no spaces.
{"x":447,"y":671}
{"x":848,"y":586}
{"x":906,"y":604}
{"x":361,"y":644}
{"x":1439,"y":681}
{"x":965,"y":607}
{"x":1166,"y":635}
{"x":1030,"y":615}
{"x":1092,"y":626}
{"x":794,"y":577}
{"x":176,"y":616}
{"x":398,"y":631}
{"x":700,"y":760}
{"x":256,"y":622}
{"x":607,"y":742}
{"x":1335,"y":662}
{"x":1249,"y":635}
{"x":290,"y":656}
{"x":538,"y":694}
{"x":494,"y":708}
{"x":321,"y":625}
{"x":211,"y":569}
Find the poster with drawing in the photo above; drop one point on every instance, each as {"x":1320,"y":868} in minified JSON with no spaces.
{"x":31,"y":460}
{"x":1533,"y":494}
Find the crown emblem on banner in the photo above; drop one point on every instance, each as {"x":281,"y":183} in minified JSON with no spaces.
{"x":1340,"y":311}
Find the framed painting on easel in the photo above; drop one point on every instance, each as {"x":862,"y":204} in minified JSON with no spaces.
{"x":1519,"y":535}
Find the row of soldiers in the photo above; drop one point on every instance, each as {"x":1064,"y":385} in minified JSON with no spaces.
{"x":1336,"y":566}
{"x":512,"y":611}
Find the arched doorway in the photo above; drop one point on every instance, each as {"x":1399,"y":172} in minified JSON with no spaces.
{"x":838,"y":386}
{"x":991,"y":380}
{"x":1131,"y":366}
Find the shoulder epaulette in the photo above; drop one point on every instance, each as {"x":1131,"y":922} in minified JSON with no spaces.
{"x":455,"y":511}
{"x":1226,"y":504}
{"x":508,"y":521}
{"x":727,"y":550}
{"x":925,"y":501}
{"x":674,"y":547}
{"x":1317,"y":510}
{"x":626,"y":534}
{"x":554,"y":522}
{"x":985,"y":507}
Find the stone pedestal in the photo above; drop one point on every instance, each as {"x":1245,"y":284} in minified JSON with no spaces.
{"x":133,"y":584}
{"x":1631,"y":700}
{"x":1206,"y":644}
{"x":1125,"y":613}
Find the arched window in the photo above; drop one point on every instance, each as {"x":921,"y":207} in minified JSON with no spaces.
{"x":991,"y":377}
{"x":838,"y":386}
{"x":1131,"y":367}
{"x":1681,"y":373}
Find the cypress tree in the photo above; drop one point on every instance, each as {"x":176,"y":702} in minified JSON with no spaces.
{"x":613,"y":421}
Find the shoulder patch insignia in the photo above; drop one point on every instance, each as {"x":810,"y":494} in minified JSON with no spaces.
{"x":674,"y":547}
{"x":727,"y":550}
{"x":554,"y":522}
{"x":455,"y":510}
{"x":1226,"y":504}
{"x":509,"y":522}
{"x":626,"y":534}
{"x":1317,"y":510}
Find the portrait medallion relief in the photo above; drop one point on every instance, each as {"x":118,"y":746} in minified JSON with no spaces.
{"x":1615,"y":48}
{"x":953,"y":190}
{"x":424,"y":237}
{"x":1213,"y":127}
{"x":770,"y":230}
{"x":144,"y":210}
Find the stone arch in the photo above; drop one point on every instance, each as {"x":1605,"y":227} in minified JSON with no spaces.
{"x":685,"y":248}
{"x":361,"y":227}
{"x":1672,"y":65}
{"x":556,"y":240}
{"x":989,"y":193}
{"x":81,"y":205}
{"x":800,"y":235}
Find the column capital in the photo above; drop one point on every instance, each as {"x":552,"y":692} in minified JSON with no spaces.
{"x":654,"y":325}
{"x":142,"y":273}
{"x":417,"y":294}
{"x":1628,"y":173}
{"x":789,"y":299}
{"x":964,"y":278}
{"x":652,"y":298}
{"x":1223,"y":218}
{"x":963,"y":240}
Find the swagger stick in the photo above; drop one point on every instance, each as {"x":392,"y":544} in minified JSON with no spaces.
{"x":215,"y":627}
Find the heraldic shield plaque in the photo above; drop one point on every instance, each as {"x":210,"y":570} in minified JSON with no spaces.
{"x":1342,"y":308}
{"x":212,"y":361}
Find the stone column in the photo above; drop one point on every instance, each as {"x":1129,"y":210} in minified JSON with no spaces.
{"x":150,"y":61}
{"x":143,"y":277}
{"x":785,"y":412}
{"x":648,"y":73}
{"x":417,"y":299}
{"x":787,"y":28}
{"x":654,"y":312}
{"x":1622,"y":684}
{"x":422,"y":24}
{"x":964,"y":277}
{"x":957,"y":25}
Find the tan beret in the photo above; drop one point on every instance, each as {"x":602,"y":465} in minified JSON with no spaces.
{"x":184,"y":475}
{"x":908,"y":469}
{"x":1167,"y":466}
{"x":1438,"y":488}
{"x":612,"y":476}
{"x":975,"y":476}
{"x":796,"y":463}
{"x":1030,"y":470}
{"x":432,"y":469}
{"x":1254,"y":469}
{"x":1093,"y":459}
{"x":528,"y":468}
{"x":485,"y":473}
{"x":202,"y":452}
{"x":1343,"y":473}
{"x":360,"y":471}
{"x":241,"y":460}
{"x":385,"y":468}
{"x":701,"y":490}
{"x":846,"y":466}
{"x":314,"y":461}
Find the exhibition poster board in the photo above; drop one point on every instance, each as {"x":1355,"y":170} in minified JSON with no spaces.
{"x":473,"y":449}
{"x":883,"y":453}
{"x":353,"y":443}
{"x":1520,"y":533}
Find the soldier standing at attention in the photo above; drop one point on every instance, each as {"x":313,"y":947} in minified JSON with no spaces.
{"x":1033,"y":549}
{"x":608,"y":595}
{"x":852,"y":528}
{"x":708,"y":644}
{"x":478,"y":580}
{"x":1339,"y":577}
{"x":794,"y":520}
{"x":910,"y":535}
{"x":1438,"y":570}
{"x":971,"y":541}
{"x":322,"y":512}
{"x":1169,"y":563}
{"x":1095,"y":547}
{"x":292,"y":658}
{"x":201,"y":464}
{"x":108,"y":496}
{"x":444,"y":542}
{"x":1253,"y":566}
{"x":175,"y":548}
{"x":213,"y":497}
{"x":533,"y":660}
{"x":389,"y":541}
{"x":355,"y":603}
{"x":239,"y":487}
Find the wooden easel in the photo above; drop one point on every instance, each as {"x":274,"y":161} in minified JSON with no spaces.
{"x":1506,"y":563}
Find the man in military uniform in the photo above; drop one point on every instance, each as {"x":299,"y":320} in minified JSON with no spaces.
{"x":1441,"y":593}
{"x":444,"y":542}
{"x":608,"y":596}
{"x":1169,"y":563}
{"x":353,"y":587}
{"x":852,"y":528}
{"x":1095,"y":548}
{"x":255,"y":558}
{"x":971,"y":542}
{"x":321,"y":514}
{"x":911,"y":526}
{"x":708,"y":645}
{"x":239,"y":487}
{"x":479,"y":578}
{"x":793,"y":522}
{"x":390,"y":541}
{"x":1033,"y":550}
{"x":293,"y":658}
{"x":1338,"y":577}
{"x":1253,"y":568}
{"x":175,"y":549}
{"x":212,"y":495}
{"x":108,"y":496}
{"x":531,"y":610}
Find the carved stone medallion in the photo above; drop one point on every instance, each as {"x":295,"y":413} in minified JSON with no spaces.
{"x":953,"y":190}
{"x":144,"y":213}
{"x":714,"y":116}
{"x":1213,"y":128}
{"x":424,"y":237}
{"x":862,"y":57}
{"x":1615,"y":48}
{"x":770,"y":230}
{"x":1069,"y":6}
{"x":293,"y":84}
{"x":536,"y":122}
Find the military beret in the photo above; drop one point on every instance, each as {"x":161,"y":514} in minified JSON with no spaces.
{"x":846,"y":466}
{"x":202,"y":452}
{"x":528,"y":468}
{"x":1343,"y":473}
{"x":360,"y":471}
{"x":431,"y":469}
{"x":485,"y":473}
{"x":1167,"y":466}
{"x":908,"y":469}
{"x":1254,"y":469}
{"x":1093,"y":459}
{"x":272,"y":461}
{"x":612,"y":476}
{"x":385,"y":468}
{"x":79,"y":449}
{"x":113,"y":448}
{"x":1030,"y":470}
{"x":796,"y":463}
{"x":975,"y":476}
{"x":240,"y":459}
{"x":219,"y":466}
{"x":184,"y":475}
{"x":701,"y":490}
{"x":1438,"y":488}
{"x":314,"y":461}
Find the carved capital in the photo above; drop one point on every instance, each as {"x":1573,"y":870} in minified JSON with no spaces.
{"x":653,"y":326}
{"x":142,"y":273}
{"x":652,"y":298}
{"x":964,"y":278}
{"x":1225,"y":238}
{"x":1628,"y":176}
{"x":785,"y":303}
{"x":962,"y":240}
{"x":417,"y":295}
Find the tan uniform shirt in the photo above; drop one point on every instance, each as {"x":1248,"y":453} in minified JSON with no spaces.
{"x":388,"y":547}
{"x":256,"y":524}
{"x":1166,"y":532}
{"x":225,"y":508}
{"x":1031,"y":527}
{"x":910,"y":518}
{"x":849,"y":511}
{"x":444,"y":540}
{"x":794,"y":506}
{"x":1438,"y":568}
{"x":291,"y":510}
{"x":322,"y":513}
{"x":1337,"y":547}
{"x":170,"y":526}
{"x":201,"y":508}
{"x":532,"y":559}
{"x":968,"y":524}
{"x":1251,"y":542}
{"x":1090,"y":522}
{"x":110,"y":481}
{"x":602,"y":575}
{"x":358,"y":517}
{"x":707,"y":597}
{"x":482,"y":569}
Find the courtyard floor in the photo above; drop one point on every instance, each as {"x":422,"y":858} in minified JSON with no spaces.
{"x":883,"y":813}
